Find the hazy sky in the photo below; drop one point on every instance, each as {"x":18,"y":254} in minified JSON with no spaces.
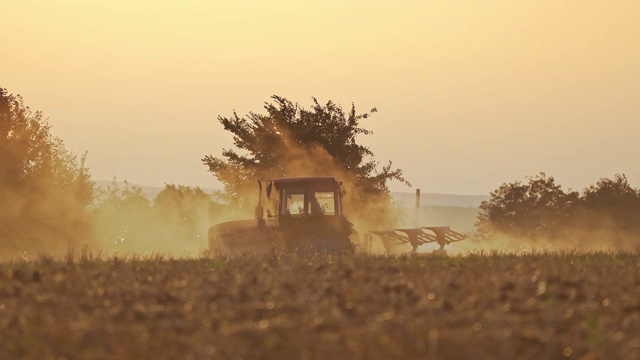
{"x":470,"y":94}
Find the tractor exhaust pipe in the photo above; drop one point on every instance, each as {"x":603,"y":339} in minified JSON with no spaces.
{"x":259,"y":211}
{"x":417,"y":214}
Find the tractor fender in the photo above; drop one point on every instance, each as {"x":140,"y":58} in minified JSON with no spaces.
{"x":241,"y":237}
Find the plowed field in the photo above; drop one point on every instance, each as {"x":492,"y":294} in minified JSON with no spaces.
{"x":538,"y":306}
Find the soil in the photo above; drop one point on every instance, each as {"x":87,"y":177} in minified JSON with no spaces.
{"x":537,"y":306}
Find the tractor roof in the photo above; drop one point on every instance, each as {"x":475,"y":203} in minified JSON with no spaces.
{"x":305,"y":180}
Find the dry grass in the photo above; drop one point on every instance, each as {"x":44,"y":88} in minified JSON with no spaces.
{"x":536,"y":306}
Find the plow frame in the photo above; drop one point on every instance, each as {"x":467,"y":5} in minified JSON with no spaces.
{"x":442,"y":235}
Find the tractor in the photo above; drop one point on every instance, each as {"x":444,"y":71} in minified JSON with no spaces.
{"x":298,"y":214}
{"x":304,"y":215}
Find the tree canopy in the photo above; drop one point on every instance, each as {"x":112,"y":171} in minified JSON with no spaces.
{"x":290,"y":140}
{"x":536,"y":208}
{"x":44,"y":188}
{"x":613,"y":201}
{"x":541,"y":209}
{"x":176,"y":221}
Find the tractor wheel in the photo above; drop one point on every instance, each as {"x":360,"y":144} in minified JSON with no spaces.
{"x":322,"y":242}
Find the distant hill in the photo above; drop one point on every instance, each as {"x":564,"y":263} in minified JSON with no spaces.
{"x":461,"y":219}
{"x":434,"y":199}
{"x":150,"y":192}
{"x":406,"y":198}
{"x":458,"y":211}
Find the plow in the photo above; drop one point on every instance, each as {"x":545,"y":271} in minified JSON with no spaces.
{"x":415,"y":237}
{"x":304,"y":215}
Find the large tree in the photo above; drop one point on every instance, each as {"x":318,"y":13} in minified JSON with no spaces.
{"x":175,"y":222}
{"x":290,"y":140}
{"x":605,"y":213}
{"x":123,"y":218}
{"x":184,"y":215}
{"x":44,"y":189}
{"x":613,"y":203}
{"x":535,"y":209}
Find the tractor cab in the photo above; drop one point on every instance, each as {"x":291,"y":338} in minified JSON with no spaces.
{"x":302,"y":197}
{"x":302,"y":214}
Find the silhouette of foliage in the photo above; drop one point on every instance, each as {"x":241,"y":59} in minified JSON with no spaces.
{"x":45,"y":190}
{"x":612,"y":201}
{"x":123,"y":217}
{"x":608,"y":193}
{"x":185,"y":213}
{"x":538,"y":208}
{"x":541,"y":209}
{"x":290,"y":140}
{"x":177,"y":219}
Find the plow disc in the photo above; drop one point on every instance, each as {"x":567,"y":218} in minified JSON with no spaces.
{"x":442,"y":235}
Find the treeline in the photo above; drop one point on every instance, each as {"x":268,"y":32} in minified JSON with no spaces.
{"x":50,"y":205}
{"x":607,"y":212}
{"x":48,"y":202}
{"x":45,"y":191}
{"x":175,"y":221}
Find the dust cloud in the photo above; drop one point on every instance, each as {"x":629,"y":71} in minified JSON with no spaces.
{"x":587,"y":234}
{"x":572,"y":240}
{"x":368,"y":210}
{"x":174,"y":223}
{"x":123,"y":220}
{"x":40,"y":219}
{"x":55,"y":216}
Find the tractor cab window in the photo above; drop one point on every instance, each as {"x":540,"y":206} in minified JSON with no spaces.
{"x":308,"y":202}
{"x":322,"y":203}
{"x":293,"y":202}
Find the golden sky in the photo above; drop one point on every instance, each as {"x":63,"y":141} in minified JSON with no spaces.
{"x":470,"y":94}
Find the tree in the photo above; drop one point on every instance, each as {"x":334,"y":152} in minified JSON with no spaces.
{"x":45,"y":190}
{"x":123,"y":218}
{"x":612,"y":201}
{"x":290,"y":140}
{"x":184,"y":214}
{"x":539,"y":208}
{"x":604,"y":214}
{"x":175,"y":222}
{"x":607,"y":193}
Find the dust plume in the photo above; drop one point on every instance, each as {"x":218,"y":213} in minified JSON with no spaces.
{"x":46,"y":214}
{"x":174,"y":223}
{"x":45,"y":190}
{"x":367,"y":207}
{"x":580,"y":238}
